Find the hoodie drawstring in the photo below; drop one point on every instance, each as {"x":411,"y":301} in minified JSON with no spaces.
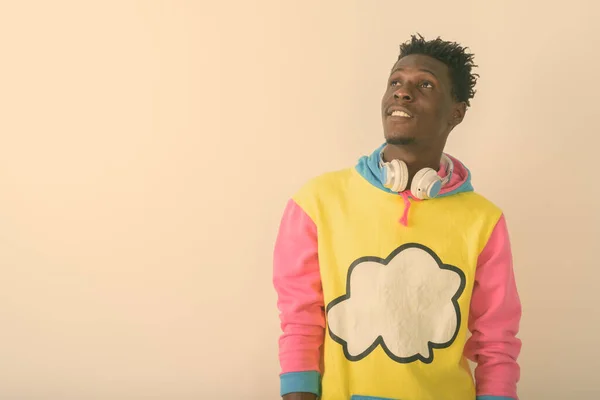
{"x":406,"y":197}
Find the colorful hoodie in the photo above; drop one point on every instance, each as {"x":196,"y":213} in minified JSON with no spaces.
{"x":385,"y":297}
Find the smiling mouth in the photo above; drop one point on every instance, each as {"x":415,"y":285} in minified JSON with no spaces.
{"x":398,"y":113}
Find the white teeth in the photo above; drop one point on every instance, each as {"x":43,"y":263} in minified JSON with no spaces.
{"x":400,"y":114}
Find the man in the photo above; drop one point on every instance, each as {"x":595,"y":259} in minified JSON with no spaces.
{"x":382,"y":270}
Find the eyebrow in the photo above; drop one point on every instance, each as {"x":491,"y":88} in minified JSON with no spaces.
{"x":420,"y":69}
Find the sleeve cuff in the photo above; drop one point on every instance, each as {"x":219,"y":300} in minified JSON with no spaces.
{"x":301,"y":382}
{"x":494,"y":398}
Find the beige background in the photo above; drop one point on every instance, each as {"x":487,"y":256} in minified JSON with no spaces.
{"x":147,"y":149}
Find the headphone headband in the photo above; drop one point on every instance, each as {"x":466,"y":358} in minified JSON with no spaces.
{"x":445,"y":160}
{"x":449,"y":168}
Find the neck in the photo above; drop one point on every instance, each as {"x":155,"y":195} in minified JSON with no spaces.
{"x":414,"y":161}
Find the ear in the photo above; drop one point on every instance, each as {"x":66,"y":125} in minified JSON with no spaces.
{"x":458,"y":113}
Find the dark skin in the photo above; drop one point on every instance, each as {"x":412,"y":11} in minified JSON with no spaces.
{"x":420,"y":86}
{"x":300,"y":396}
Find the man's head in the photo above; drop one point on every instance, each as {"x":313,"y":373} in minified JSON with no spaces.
{"x":427,"y":94}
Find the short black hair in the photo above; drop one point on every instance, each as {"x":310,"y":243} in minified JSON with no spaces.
{"x":459,"y":62}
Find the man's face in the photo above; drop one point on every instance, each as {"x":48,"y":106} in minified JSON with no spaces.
{"x":418,"y":107}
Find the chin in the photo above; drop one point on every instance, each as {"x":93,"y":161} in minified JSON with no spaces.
{"x":400,"y":140}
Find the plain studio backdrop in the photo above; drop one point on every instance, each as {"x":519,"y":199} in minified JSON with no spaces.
{"x":147,"y":149}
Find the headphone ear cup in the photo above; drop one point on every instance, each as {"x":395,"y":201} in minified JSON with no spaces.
{"x":426,"y":184}
{"x":395,"y":175}
{"x":400,"y":176}
{"x":388,"y":175}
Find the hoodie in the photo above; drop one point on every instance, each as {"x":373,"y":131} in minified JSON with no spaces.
{"x":385,"y":297}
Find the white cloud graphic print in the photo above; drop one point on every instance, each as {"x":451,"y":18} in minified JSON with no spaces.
{"x":406,"y":303}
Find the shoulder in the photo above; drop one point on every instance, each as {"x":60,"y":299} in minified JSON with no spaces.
{"x":483,"y":214}
{"x":324,"y":187}
{"x":325,"y":183}
{"x":480,"y":203}
{"x":474,"y":209}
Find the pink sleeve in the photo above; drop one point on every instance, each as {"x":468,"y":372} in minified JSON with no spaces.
{"x":494,"y":319}
{"x":297,"y":281}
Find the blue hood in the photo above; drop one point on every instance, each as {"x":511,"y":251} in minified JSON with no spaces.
{"x":368,"y":167}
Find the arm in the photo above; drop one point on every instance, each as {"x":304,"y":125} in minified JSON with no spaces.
{"x":494,"y":320}
{"x":297,"y":281}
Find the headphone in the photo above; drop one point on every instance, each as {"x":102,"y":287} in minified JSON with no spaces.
{"x":426,"y":183}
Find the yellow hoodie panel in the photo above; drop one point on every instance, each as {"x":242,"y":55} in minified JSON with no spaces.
{"x":397,"y":297}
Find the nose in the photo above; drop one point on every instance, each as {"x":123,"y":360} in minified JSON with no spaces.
{"x":403,"y":93}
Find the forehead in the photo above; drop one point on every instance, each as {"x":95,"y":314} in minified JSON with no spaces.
{"x":416,"y":62}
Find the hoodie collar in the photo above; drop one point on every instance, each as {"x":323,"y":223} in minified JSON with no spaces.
{"x":369,"y":168}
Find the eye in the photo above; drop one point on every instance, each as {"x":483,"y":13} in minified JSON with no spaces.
{"x":427,"y":85}
{"x":394,"y":83}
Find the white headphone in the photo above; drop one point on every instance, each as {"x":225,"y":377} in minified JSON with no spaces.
{"x":426,"y":183}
